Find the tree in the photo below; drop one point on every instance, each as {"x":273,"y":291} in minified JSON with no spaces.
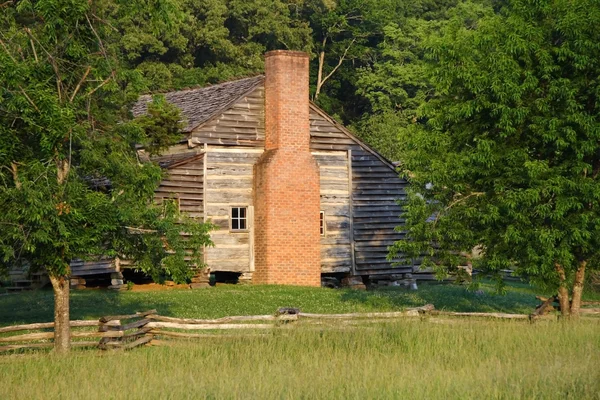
{"x":71,"y":183}
{"x":396,"y":84}
{"x":228,"y":38}
{"x":510,"y":158}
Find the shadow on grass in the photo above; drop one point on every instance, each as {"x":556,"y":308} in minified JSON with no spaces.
{"x":449,"y":297}
{"x":38,"y":305}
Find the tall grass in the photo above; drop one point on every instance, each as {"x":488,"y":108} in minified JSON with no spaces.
{"x":431,"y":359}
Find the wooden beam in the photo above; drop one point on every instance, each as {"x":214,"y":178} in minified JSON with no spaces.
{"x":208,"y":326}
{"x":351,"y":213}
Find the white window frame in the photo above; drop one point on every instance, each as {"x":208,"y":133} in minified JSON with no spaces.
{"x":238,"y":218}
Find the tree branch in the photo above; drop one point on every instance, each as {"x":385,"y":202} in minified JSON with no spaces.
{"x":87,"y":71}
{"x":320,"y":82}
{"x":52,"y":62}
{"x":100,"y":85}
{"x":455,"y":202}
{"x":139,"y":230}
{"x":34,"y":52}
{"x":15,"y":175}
{"x":7,"y":52}
{"x":29,"y":99}
{"x":100,"y":43}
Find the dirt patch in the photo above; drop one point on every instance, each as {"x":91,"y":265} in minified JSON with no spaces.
{"x":147,"y":287}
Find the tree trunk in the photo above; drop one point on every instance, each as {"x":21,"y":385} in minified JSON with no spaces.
{"x":578,"y":289}
{"x":62,"y":329}
{"x":563,"y":292}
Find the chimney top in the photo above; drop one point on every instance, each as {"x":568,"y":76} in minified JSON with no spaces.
{"x":289,"y":53}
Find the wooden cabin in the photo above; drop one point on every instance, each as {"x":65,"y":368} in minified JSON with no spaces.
{"x":293,"y":194}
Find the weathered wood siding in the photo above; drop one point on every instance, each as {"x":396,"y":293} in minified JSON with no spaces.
{"x":358,"y":191}
{"x":185,"y":183}
{"x":84,"y":268}
{"x":375,"y":190}
{"x":243,"y":124}
{"x":229,"y":182}
{"x":335,"y":203}
{"x":235,"y":139}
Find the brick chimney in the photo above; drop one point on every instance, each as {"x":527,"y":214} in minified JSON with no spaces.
{"x":286,"y":188}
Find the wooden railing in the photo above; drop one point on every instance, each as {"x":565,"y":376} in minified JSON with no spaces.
{"x":132,"y":330}
{"x":148,"y":327}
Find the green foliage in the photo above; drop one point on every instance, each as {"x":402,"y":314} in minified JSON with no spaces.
{"x":161,"y":126}
{"x":219,"y":40}
{"x":509,"y":158}
{"x":397,"y":84}
{"x":71,"y":184}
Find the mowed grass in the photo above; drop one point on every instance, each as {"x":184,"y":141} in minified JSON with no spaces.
{"x":415,"y":359}
{"x":220,"y":301}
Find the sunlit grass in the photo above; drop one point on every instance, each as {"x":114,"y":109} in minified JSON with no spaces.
{"x":37,"y":306}
{"x":416,"y":359}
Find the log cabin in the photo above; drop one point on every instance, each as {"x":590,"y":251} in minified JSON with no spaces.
{"x":293,"y":194}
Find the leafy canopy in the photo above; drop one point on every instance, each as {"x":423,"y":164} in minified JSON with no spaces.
{"x":510,"y":158}
{"x":71,"y":183}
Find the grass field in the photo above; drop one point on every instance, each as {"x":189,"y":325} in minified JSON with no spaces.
{"x":37,"y":306}
{"x":433,"y":358}
{"x":443,"y":359}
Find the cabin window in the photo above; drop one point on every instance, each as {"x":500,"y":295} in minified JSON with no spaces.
{"x":239,"y":218}
{"x":322,"y":223}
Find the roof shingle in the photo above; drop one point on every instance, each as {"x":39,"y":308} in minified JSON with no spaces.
{"x":200,"y":105}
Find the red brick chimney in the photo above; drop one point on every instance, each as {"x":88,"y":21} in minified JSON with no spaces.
{"x":286,"y":188}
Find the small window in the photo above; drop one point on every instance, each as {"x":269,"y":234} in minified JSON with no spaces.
{"x":322,"y":222}
{"x":239,"y":219}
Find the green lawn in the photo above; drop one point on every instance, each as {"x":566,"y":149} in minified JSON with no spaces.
{"x":433,"y":358}
{"x":220,"y":301}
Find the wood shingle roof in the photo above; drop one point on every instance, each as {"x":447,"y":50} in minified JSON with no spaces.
{"x":201,"y":104}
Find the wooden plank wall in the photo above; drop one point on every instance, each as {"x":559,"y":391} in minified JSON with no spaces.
{"x":229,"y":182}
{"x":375,"y":191}
{"x":335,"y":203}
{"x":235,"y":139}
{"x":241,"y":125}
{"x":185,"y":183}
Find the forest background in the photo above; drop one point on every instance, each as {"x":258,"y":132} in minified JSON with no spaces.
{"x":367,"y":56}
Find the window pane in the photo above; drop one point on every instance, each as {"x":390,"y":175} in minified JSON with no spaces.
{"x":242,"y":223}
{"x":242,"y":212}
{"x":235,"y":212}
{"x":235,"y":224}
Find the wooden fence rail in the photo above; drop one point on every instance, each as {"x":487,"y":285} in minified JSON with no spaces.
{"x":132,"y":330}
